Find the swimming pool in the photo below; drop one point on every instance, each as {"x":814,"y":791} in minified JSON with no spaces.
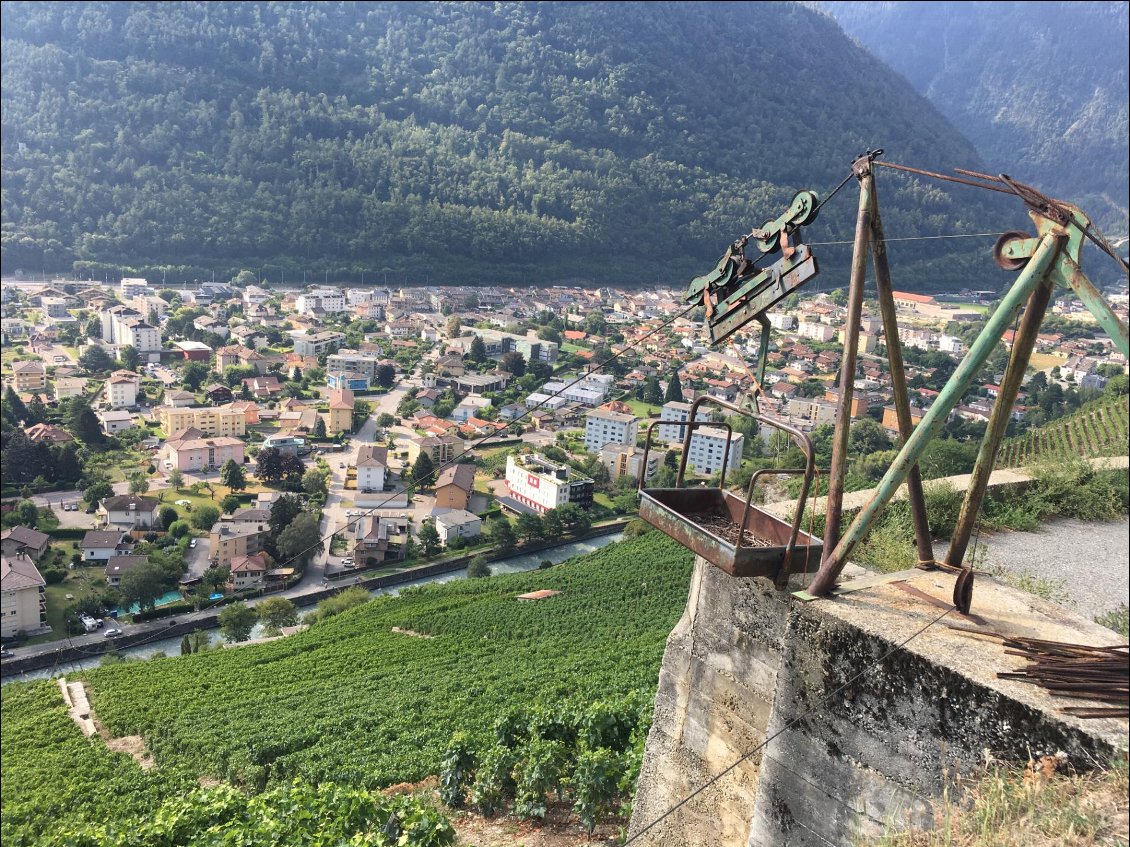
{"x":164,"y":600}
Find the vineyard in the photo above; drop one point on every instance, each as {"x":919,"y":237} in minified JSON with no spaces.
{"x":1098,"y":429}
{"x":348,"y":701}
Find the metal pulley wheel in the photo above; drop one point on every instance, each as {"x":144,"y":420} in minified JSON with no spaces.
{"x":1010,"y":263}
{"x":963,"y":591}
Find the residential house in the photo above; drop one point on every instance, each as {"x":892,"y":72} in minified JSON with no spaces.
{"x":101,"y":544}
{"x":470,"y":407}
{"x":115,"y":421}
{"x":23,"y":603}
{"x":603,"y":426}
{"x":262,"y":387}
{"x":379,"y":538}
{"x":250,"y":412}
{"x":218,"y":394}
{"x":249,"y":572}
{"x":314,"y":344}
{"x":450,"y":366}
{"x":456,"y":523}
{"x":29,"y":377}
{"x":372,"y":467}
{"x":131,"y":511}
{"x":22,"y":540}
{"x":440,"y":448}
{"x":50,"y":433}
{"x":180,"y":399}
{"x":234,"y":539}
{"x":340,"y":415}
{"x":207,"y":323}
{"x":628,"y":461}
{"x":69,"y":386}
{"x":123,"y":326}
{"x":707,"y":452}
{"x":453,"y":486}
{"x":116,"y":567}
{"x":121,"y":391}
{"x":192,"y":450}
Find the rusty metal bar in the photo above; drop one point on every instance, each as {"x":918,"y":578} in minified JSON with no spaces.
{"x":945,"y":177}
{"x":885,"y":293}
{"x":838,"y":471}
{"x":1047,"y":252}
{"x":1022,"y":346}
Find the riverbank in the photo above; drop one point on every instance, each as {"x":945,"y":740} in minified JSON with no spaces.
{"x":82,"y":649}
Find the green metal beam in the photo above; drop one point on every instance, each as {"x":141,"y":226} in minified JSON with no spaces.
{"x":1033,"y":274}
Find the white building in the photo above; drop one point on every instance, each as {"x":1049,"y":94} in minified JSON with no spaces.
{"x":134,"y":287}
{"x":603,"y":426}
{"x":591,"y":391}
{"x":121,"y":391}
{"x":114,"y":422}
{"x":816,"y":331}
{"x":539,"y":484}
{"x":673,"y":411}
{"x":324,"y":299}
{"x":372,"y":467}
{"x":123,"y":326}
{"x":316,"y":343}
{"x":708,"y":449}
{"x":628,"y":461}
{"x":779,"y":320}
{"x":457,"y":523}
{"x":253,"y":295}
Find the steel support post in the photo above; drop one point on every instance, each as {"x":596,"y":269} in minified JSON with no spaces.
{"x":1022,"y":346}
{"x":835,"y":501}
{"x":1047,"y":251}
{"x":1097,"y":305}
{"x":883,"y":287}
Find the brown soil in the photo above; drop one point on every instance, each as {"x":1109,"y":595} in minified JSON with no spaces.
{"x":133,"y":745}
{"x":726,"y":529}
{"x":411,"y":632}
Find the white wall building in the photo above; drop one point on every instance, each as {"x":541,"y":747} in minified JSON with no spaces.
{"x":329,"y":300}
{"x":23,"y":605}
{"x":673,"y":411}
{"x":540,"y":484}
{"x":134,"y":287}
{"x":372,"y":467}
{"x":457,"y":523}
{"x":708,"y":449}
{"x":603,"y":426}
{"x":121,"y":392}
{"x":816,"y":331}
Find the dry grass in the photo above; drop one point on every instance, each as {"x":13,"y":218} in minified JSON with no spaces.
{"x":1037,"y":806}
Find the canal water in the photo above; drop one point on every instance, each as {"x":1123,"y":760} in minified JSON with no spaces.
{"x":171,"y":646}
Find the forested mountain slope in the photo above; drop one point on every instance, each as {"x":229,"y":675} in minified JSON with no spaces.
{"x":1040,"y":88}
{"x":454,"y":141}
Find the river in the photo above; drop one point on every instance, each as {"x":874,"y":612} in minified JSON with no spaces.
{"x":171,"y":646}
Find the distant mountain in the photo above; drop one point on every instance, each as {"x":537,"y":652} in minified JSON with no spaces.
{"x":1040,"y":88}
{"x":513,"y":142}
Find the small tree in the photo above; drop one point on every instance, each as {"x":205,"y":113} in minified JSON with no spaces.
{"x":530,"y":527}
{"x":514,"y":362}
{"x":176,"y":479}
{"x":277,"y":612}
{"x":501,"y":535}
{"x":674,"y":390}
{"x":423,"y":469}
{"x":27,"y":514}
{"x":314,"y":482}
{"x":179,"y":529}
{"x":454,"y":327}
{"x":230,"y":503}
{"x":142,"y":584}
{"x":205,"y":516}
{"x":429,"y":538}
{"x":167,"y":516}
{"x":129,"y":357}
{"x":385,"y":375}
{"x":478,"y":350}
{"x":385,"y":420}
{"x":319,"y":427}
{"x":232,"y":475}
{"x":138,"y":483}
{"x":236,"y":622}
{"x":478,"y":569}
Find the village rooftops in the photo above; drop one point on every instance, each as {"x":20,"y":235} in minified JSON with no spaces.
{"x":462,"y":476}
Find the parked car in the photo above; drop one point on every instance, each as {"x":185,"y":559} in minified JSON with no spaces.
{"x":347,"y":562}
{"x":192,"y":543}
{"x":112,"y":633}
{"x":6,"y":654}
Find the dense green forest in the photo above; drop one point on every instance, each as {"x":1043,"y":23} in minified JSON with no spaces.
{"x":1040,"y":88}
{"x":455,"y":142}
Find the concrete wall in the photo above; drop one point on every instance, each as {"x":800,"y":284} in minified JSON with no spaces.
{"x":745,"y":662}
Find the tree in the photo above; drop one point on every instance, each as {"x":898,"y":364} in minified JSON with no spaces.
{"x":83,"y":424}
{"x":232,"y":475}
{"x":868,"y":436}
{"x":92,"y":329}
{"x":514,"y":362}
{"x":429,"y":538}
{"x":314,"y":482}
{"x":674,"y":392}
{"x":14,"y":408}
{"x":193,"y":375}
{"x":478,"y":351}
{"x":652,"y":393}
{"x":230,"y":503}
{"x":205,"y":516}
{"x":176,"y":479}
{"x":385,"y":375}
{"x":138,"y":483}
{"x":269,"y":466}
{"x":277,"y":612}
{"x":501,"y":536}
{"x":530,"y":527}
{"x":142,"y":584}
{"x":423,"y":469}
{"x":283,"y":512}
{"x":216,"y":578}
{"x":454,"y":327}
{"x":27,"y":514}
{"x":548,"y":333}
{"x":478,"y":569}
{"x":95,"y":359}
{"x":319,"y":427}
{"x":179,"y":529}
{"x":300,"y":541}
{"x":385,"y":420}
{"x":167,"y":516}
{"x":97,"y":491}
{"x":129,"y":357}
{"x":237,"y":621}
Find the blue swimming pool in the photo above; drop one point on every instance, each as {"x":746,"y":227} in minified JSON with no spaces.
{"x":164,"y":600}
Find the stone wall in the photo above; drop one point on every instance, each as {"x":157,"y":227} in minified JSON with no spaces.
{"x":867,"y":702}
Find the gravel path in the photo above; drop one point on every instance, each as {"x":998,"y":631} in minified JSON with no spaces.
{"x":1090,"y":560}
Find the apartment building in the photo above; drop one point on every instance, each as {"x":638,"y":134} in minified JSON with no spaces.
{"x":134,"y":287}
{"x":317,"y":343}
{"x":121,"y":391}
{"x":532,"y":348}
{"x":29,"y":377}
{"x":354,"y":361}
{"x":235,"y":539}
{"x":603,"y":426}
{"x":325,"y":300}
{"x":628,"y":461}
{"x":191,"y":450}
{"x":340,"y":415}
{"x":707,"y":450}
{"x":23,"y":602}
{"x":372,"y":467}
{"x":537,"y":483}
{"x":123,"y":326}
{"x":677,"y":412}
{"x":440,"y":448}
{"x":209,"y":420}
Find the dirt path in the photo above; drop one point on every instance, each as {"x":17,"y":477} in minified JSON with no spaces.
{"x":82,"y":713}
